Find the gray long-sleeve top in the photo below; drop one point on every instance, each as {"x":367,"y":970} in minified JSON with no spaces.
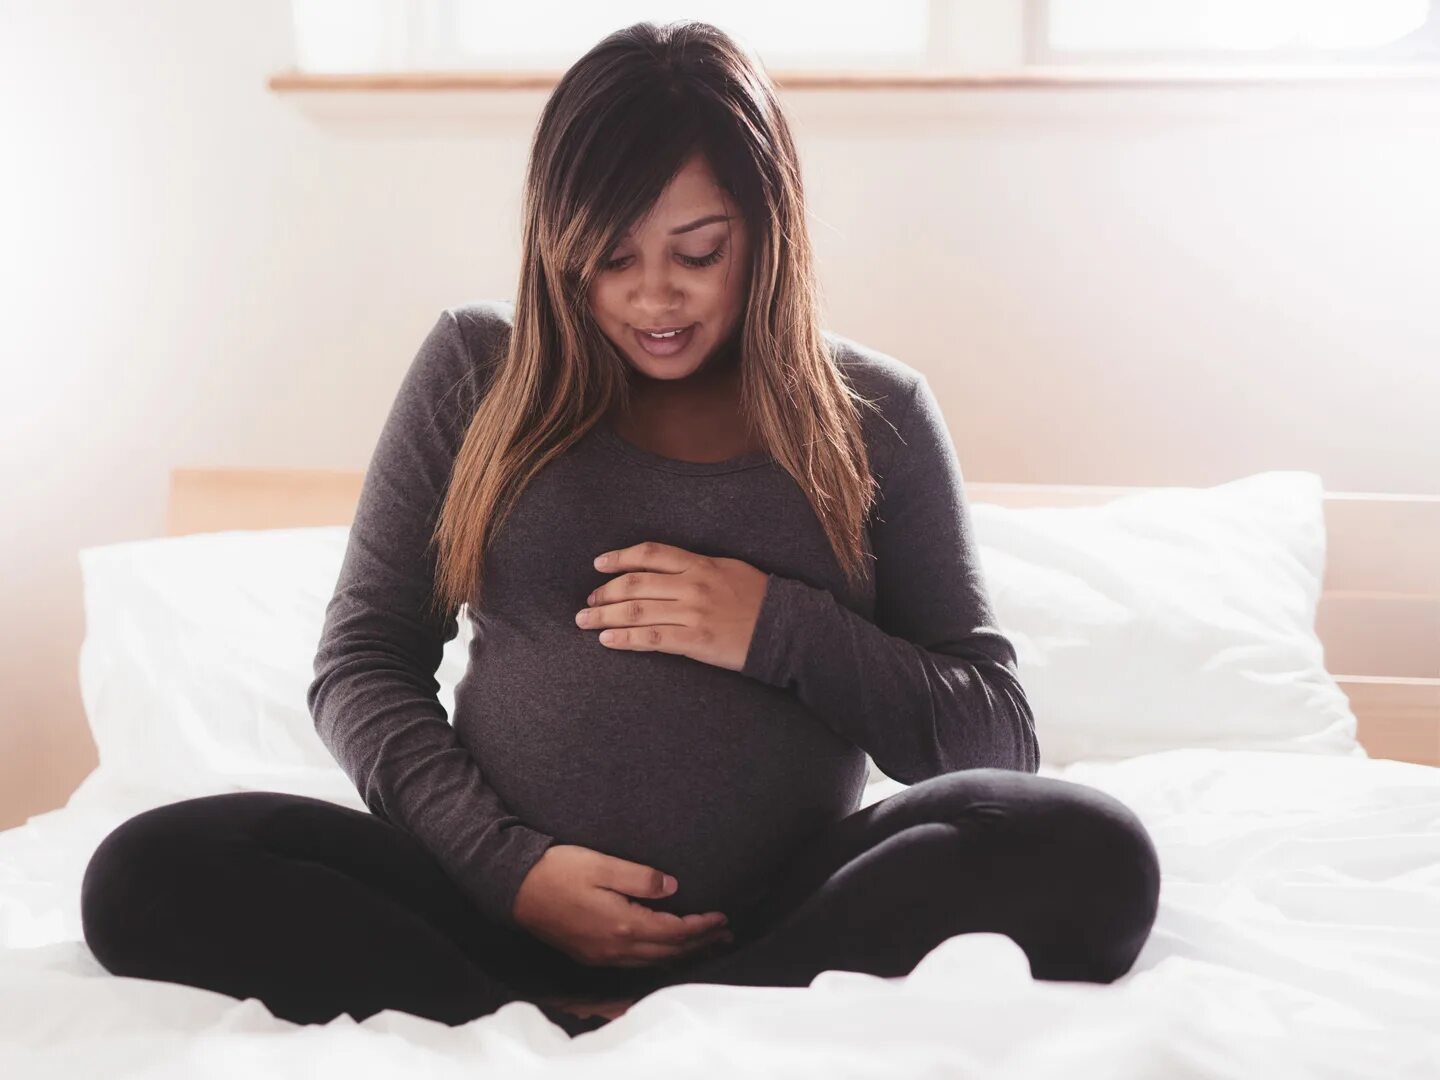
{"x":711,"y":775}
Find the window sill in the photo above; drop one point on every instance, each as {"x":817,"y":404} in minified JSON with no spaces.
{"x":1021,"y":78}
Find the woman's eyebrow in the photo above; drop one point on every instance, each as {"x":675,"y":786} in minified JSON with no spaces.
{"x":692,"y":225}
{"x":701,"y":221}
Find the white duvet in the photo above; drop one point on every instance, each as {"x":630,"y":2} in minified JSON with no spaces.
{"x":1298,"y":935}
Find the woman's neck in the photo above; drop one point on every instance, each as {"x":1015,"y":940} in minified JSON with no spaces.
{"x":715,"y":386}
{"x":691,"y":419}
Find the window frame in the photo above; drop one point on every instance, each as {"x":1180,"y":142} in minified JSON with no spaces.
{"x":1039,"y":52}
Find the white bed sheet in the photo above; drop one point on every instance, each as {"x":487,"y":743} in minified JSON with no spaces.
{"x":1298,"y":936}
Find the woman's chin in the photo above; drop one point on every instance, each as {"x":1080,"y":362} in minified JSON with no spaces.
{"x":664,"y":369}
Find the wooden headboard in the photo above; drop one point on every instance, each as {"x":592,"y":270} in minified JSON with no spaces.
{"x":1379,"y":613}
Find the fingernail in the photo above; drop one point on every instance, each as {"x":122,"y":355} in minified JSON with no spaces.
{"x":669,"y":883}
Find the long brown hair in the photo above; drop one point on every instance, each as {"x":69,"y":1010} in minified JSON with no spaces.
{"x":620,"y":123}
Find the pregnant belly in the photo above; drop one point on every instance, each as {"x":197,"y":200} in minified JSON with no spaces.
{"x":700,"y":772}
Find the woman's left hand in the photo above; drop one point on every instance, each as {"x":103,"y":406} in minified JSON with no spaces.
{"x":676,"y":601}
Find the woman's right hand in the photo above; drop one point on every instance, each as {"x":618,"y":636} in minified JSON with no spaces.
{"x":578,"y":900}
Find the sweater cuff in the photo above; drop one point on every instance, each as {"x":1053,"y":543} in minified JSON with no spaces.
{"x":768,"y":658}
{"x":492,"y":884}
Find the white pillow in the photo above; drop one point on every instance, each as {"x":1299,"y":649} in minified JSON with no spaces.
{"x":198,"y":652}
{"x":1176,"y":617}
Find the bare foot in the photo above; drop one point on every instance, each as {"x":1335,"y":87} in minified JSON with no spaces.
{"x":611,"y":1009}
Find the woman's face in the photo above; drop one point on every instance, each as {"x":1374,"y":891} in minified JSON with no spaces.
{"x":668,"y":272}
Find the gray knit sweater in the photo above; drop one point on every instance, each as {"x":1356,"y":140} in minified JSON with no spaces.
{"x":713,"y":776}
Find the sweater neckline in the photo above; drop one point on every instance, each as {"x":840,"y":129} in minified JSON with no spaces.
{"x":750,"y":459}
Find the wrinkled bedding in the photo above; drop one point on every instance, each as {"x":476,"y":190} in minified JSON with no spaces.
{"x":1298,"y":936}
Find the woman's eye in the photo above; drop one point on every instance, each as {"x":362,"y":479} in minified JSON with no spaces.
{"x":704,"y":260}
{"x":688,"y":260}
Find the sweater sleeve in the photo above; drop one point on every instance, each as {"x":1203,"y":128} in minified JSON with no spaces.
{"x":374,"y":696}
{"x":932,"y":685}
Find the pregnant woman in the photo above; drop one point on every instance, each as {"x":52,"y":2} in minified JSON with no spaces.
{"x":712,"y":556}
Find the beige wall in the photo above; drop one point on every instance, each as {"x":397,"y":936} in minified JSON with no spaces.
{"x":1104,"y":286}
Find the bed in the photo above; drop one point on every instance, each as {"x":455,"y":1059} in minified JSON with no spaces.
{"x":1253,"y":667}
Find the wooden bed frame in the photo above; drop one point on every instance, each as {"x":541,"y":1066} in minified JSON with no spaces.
{"x":1379,"y":613}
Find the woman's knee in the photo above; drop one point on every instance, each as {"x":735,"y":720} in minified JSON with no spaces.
{"x":993,"y":795}
{"x":1112,"y":834}
{"x":1092,"y":854}
{"x":135,"y":880}
{"x":1112,"y":874}
{"x":1093,"y":822}
{"x":1035,"y":803}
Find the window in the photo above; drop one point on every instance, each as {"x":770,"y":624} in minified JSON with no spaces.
{"x":1231,"y":31}
{"x":839,"y":33}
{"x":369,"y":35}
{"x":894,"y":35}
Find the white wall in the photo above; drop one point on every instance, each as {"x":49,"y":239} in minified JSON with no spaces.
{"x":1104,"y":286}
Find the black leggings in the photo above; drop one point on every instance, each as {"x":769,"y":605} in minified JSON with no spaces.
{"x":319,"y":909}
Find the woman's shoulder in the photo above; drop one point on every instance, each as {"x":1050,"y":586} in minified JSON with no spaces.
{"x":878,"y":377}
{"x":486,"y":317}
{"x":873,"y":373}
{"x":485,"y":325}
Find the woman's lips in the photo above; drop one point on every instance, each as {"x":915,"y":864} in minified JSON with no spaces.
{"x":665,"y":346}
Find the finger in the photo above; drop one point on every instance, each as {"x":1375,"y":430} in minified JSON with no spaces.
{"x":660,"y":954}
{"x":638,"y":585}
{"x":655,"y":951}
{"x":627,"y":879}
{"x":701,"y":924}
{"x":635,"y":611}
{"x":721,"y":935}
{"x":664,"y":928}
{"x":647,"y":555}
{"x":676,"y":638}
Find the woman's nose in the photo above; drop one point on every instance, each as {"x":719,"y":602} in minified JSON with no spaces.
{"x":655,"y":292}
